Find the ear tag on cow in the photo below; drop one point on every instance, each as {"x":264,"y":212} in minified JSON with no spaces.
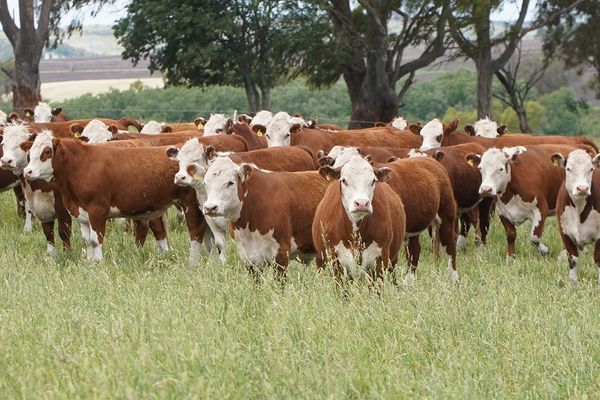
{"x":197,"y":176}
{"x":200,"y":126}
{"x":27,"y":114}
{"x":471,"y":162}
{"x":329,"y":178}
{"x":77,"y":135}
{"x":259,"y":133}
{"x":556,"y":162}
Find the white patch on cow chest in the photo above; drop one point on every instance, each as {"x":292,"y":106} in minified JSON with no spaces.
{"x":254,"y":247}
{"x":41,"y":204}
{"x":346,"y":257}
{"x":580,"y":233}
{"x":517,"y":210}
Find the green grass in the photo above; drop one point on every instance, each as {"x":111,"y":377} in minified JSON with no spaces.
{"x":145,"y":326}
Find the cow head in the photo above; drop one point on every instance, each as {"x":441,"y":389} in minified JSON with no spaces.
{"x":357,"y":181}
{"x":40,"y":157}
{"x":485,"y":127}
{"x":96,"y":131}
{"x":14,"y":157}
{"x":216,"y":125}
{"x":200,"y":122}
{"x":433,"y":133}
{"x":338,"y":156}
{"x":494,"y":167}
{"x":223,"y":183}
{"x":152,"y":128}
{"x":279,"y":132}
{"x":260,"y":122}
{"x":244,"y":119}
{"x":192,"y":163}
{"x":42,"y":113}
{"x":579,"y":167}
{"x":399,"y":123}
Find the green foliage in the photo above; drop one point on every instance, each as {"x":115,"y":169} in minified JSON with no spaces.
{"x":563,"y":112}
{"x":535,"y":115}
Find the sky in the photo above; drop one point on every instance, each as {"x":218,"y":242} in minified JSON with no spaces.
{"x":109,"y":14}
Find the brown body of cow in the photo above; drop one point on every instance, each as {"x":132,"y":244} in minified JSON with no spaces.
{"x":290,"y":159}
{"x":68,"y":128}
{"x":219,"y":142}
{"x":385,"y":227}
{"x":254,"y":139}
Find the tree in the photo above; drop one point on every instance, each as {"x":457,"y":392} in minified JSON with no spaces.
{"x":575,"y":36}
{"x":517,"y":90}
{"x":243,"y":43}
{"x":473,"y":31}
{"x":370,"y":55}
{"x":28,"y":39}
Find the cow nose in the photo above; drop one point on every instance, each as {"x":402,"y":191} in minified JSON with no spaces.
{"x":485,"y":190}
{"x":6,"y":162}
{"x":362,"y":204}
{"x":210,"y":209}
{"x":180,"y":178}
{"x":28,"y":172}
{"x":582,"y":189}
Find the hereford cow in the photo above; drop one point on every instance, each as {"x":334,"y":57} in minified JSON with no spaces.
{"x":94,"y":189}
{"x":577,"y":207}
{"x":485,"y":127}
{"x":360,"y":222}
{"x":71,"y":128}
{"x":236,"y":192}
{"x":525,"y":184}
{"x":338,"y":155}
{"x":43,"y":199}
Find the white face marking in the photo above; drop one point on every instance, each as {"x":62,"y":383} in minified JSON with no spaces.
{"x":432,"y":135}
{"x":221,"y":181}
{"x":486,"y":128}
{"x":215,"y":125}
{"x":152,"y":128}
{"x":191,"y":158}
{"x":298,"y":121}
{"x":262,"y":117}
{"x":580,"y":233}
{"x":342,"y":155}
{"x":282,"y":115}
{"x":42,"y":113}
{"x":96,"y":131}
{"x":399,"y":123}
{"x":518,"y":211}
{"x":14,"y":158}
{"x":495,"y":172}
{"x":279,"y":133}
{"x":255,"y":248}
{"x":357,"y":182}
{"x":38,"y":169}
{"x":579,"y":171}
{"x":414,"y":153}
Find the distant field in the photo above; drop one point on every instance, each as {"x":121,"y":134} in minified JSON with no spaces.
{"x":141,"y":325}
{"x":57,"y":91}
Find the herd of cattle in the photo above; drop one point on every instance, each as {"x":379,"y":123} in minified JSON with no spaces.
{"x":284,"y":188}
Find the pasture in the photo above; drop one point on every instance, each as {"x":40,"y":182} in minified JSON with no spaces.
{"x":142,"y":325}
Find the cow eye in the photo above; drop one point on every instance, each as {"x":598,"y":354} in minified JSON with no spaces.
{"x":568,"y":169}
{"x":374,"y":182}
{"x":344,"y":181}
{"x":287,"y":135}
{"x":501,"y":169}
{"x":268,"y":136}
{"x":219,"y":130}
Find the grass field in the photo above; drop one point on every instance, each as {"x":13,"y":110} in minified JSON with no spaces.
{"x":142,"y":325}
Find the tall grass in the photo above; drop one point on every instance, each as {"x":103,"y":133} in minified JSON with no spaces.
{"x":141,"y":325}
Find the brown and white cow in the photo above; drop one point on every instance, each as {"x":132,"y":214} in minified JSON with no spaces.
{"x":360,"y":222}
{"x":239,"y":192}
{"x":377,"y":154}
{"x":71,"y":128}
{"x":99,"y":182}
{"x":525,"y":184}
{"x":487,"y":128}
{"x":578,"y":206}
{"x":43,"y":199}
{"x":219,"y":124}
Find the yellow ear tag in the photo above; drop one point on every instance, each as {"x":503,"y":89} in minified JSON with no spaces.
{"x":198,"y":176}
{"x":200,"y":126}
{"x":77,"y":135}
{"x":471,"y":162}
{"x":329,"y":178}
{"x":259,"y":133}
{"x":27,"y":114}
{"x":556,"y":162}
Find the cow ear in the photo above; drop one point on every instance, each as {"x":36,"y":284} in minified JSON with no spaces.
{"x":415,"y":128}
{"x":502,"y":129}
{"x":229,"y":127}
{"x":172,"y":152}
{"x":470,"y":130}
{"x":383,"y":174}
{"x":295,"y":128}
{"x":196,"y":171}
{"x":28,"y":113}
{"x":312,"y":124}
{"x":451,"y":127}
{"x":473,"y":159}
{"x":32,"y":137}
{"x":596,"y":160}
{"x":76,"y":129}
{"x":329,"y":173}
{"x":26,"y":146}
{"x":113,"y":129}
{"x":320,"y":154}
{"x":326,"y":160}
{"x":369,"y":159}
{"x":439,"y":155}
{"x":13,"y":116}
{"x":245,"y":172}
{"x":379,"y":124}
{"x":200,"y":122}
{"x":392,"y":159}
{"x":558,"y":160}
{"x":210,"y":153}
{"x":57,"y":111}
{"x":166,"y":129}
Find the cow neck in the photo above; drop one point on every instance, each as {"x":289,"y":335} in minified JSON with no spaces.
{"x":249,"y":196}
{"x":584,"y":207}
{"x":508,"y":193}
{"x":67,"y":162}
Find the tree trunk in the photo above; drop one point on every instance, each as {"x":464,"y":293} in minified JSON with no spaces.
{"x":523,"y":124}
{"x":266,"y":98}
{"x":252,"y":96}
{"x":26,"y":85}
{"x":484,"y":88}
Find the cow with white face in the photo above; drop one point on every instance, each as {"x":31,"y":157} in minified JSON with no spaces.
{"x":279,"y":132}
{"x":261,"y":120}
{"x":42,"y":113}
{"x":487,"y":128}
{"x":96,"y":131}
{"x":236,"y":192}
{"x":578,"y":208}
{"x":525,"y":184}
{"x":433,"y":133}
{"x":216,"y":125}
{"x":338,"y":156}
{"x":360,"y":223}
{"x":152,"y":128}
{"x":399,"y":123}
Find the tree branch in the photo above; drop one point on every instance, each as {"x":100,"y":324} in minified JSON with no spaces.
{"x":516,"y":33}
{"x":373,"y":12}
{"x":8,"y":25}
{"x":44,"y":21}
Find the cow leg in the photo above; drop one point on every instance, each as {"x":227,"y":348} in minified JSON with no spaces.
{"x":159,"y":230}
{"x":281,"y":261}
{"x":20,"y":201}
{"x":511,"y":235}
{"x":28,"y":226}
{"x":196,"y":224}
{"x":448,"y":241}
{"x":537,"y":228}
{"x":413,"y":252}
{"x":573,"y":256}
{"x":64,"y":227}
{"x":597,"y":258}
{"x":465,"y":224}
{"x":97,"y":229}
{"x":48,"y":228}
{"x":485,"y":212}
{"x":141,"y":232}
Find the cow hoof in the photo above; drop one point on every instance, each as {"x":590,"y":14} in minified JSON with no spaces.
{"x":563,"y":255}
{"x":573,"y":276}
{"x":453,"y":276}
{"x":543,"y":249}
{"x":51,"y":250}
{"x":409,"y":279}
{"x":461,"y":243}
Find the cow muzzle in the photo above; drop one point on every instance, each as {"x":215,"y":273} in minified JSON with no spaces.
{"x":582,"y":190}
{"x":361,"y":206}
{"x":7,"y":163}
{"x":486,"y":191}
{"x":210,"y":209}
{"x":181,"y":180}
